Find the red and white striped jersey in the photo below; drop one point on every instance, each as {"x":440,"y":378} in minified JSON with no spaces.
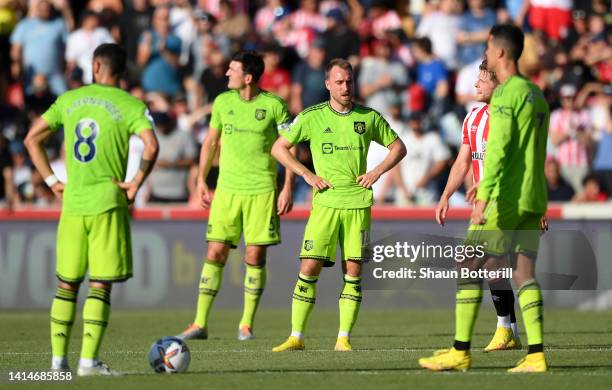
{"x":475,"y":134}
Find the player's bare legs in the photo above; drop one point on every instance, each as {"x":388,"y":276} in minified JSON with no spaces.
{"x":254,"y":284}
{"x":349,"y":303}
{"x":96,"y":313}
{"x":63,"y":311}
{"x":304,"y":296}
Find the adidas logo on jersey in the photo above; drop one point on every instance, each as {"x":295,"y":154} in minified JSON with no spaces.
{"x":327,"y":131}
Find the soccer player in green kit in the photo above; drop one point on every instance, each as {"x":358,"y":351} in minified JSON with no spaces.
{"x":94,"y":228}
{"x":510,"y":202}
{"x":340,"y":133}
{"x":246,"y":121}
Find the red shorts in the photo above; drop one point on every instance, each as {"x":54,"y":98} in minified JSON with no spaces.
{"x":555,"y":22}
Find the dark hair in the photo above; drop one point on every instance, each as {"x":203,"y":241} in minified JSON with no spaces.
{"x":252,"y":63}
{"x":114,"y":56}
{"x":483,"y":68}
{"x":339,"y":62}
{"x":424,"y":44}
{"x":509,"y":37}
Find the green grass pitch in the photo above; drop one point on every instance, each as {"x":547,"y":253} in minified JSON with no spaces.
{"x":388,"y":343}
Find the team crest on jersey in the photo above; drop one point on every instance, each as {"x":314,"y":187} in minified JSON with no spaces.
{"x":260,"y":114}
{"x":308,"y":245}
{"x":359,"y":127}
{"x":484,"y":146}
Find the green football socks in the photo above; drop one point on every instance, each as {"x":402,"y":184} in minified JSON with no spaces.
{"x":210,"y":282}
{"x":254,"y":284}
{"x":95,"y":319}
{"x":304,"y":297}
{"x":530,"y":300}
{"x":349,"y":303}
{"x":63,"y":310}
{"x":467,"y":303}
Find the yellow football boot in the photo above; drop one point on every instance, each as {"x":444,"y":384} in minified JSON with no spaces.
{"x":534,"y":362}
{"x":292,"y":344}
{"x":451,"y":360}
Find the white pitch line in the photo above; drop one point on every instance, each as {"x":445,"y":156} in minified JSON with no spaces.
{"x":408,"y":371}
{"x":206,"y":351}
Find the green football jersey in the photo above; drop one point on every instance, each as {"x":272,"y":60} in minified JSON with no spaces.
{"x":339,"y":145}
{"x":248,"y":130}
{"x":98,"y":121}
{"x":516,"y":148}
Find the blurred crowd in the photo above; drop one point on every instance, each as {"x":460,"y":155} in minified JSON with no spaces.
{"x":416,"y":62}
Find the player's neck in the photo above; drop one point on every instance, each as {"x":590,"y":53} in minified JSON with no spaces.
{"x":249,"y":92}
{"x":340,"y":108}
{"x":108,"y":81}
{"x":506,"y":70}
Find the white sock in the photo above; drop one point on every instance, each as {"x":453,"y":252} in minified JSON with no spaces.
{"x":343,"y":334}
{"x":503,"y":321}
{"x":87,"y":363}
{"x":58,"y":362}
{"x":515,"y":331}
{"x":299,"y":335}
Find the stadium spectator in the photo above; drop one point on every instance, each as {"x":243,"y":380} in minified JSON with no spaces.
{"x":384,"y":187}
{"x":553,"y":17}
{"x":8,"y":195}
{"x":82,"y":43}
{"x":432,"y":76}
{"x":183,"y":26}
{"x":234,"y":24}
{"x":341,"y":41}
{"x":276,"y":78}
{"x":40,"y":97}
{"x":308,"y":86}
{"x":135,"y":20}
{"x":440,"y":26}
{"x":381,"y":78}
{"x":474,"y":26}
{"x":205,"y":41}
{"x":427,"y":157}
{"x":308,"y":17}
{"x":558,"y":189}
{"x":168,"y":181}
{"x":158,"y":54}
{"x":37,"y":46}
{"x":22,"y":173}
{"x":570,"y":133}
{"x":213,"y":80}
{"x":266,"y":16}
{"x":592,"y":190}
{"x":382,"y":18}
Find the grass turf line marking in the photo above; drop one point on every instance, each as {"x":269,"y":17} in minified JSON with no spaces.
{"x":203,"y":351}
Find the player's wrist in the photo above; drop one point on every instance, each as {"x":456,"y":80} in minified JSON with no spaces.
{"x":51,"y":180}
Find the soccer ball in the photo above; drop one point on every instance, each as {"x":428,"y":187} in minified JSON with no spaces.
{"x":169,"y":355}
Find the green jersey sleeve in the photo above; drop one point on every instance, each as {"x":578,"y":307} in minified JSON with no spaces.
{"x":383,"y":133}
{"x":297,"y":131}
{"x":142,"y":120}
{"x":498,"y":144}
{"x":283,"y":119}
{"x":53,"y":116}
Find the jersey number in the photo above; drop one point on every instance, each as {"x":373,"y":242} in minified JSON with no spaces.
{"x":86,"y":132}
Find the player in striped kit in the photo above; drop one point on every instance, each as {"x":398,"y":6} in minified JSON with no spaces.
{"x":472,"y":152}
